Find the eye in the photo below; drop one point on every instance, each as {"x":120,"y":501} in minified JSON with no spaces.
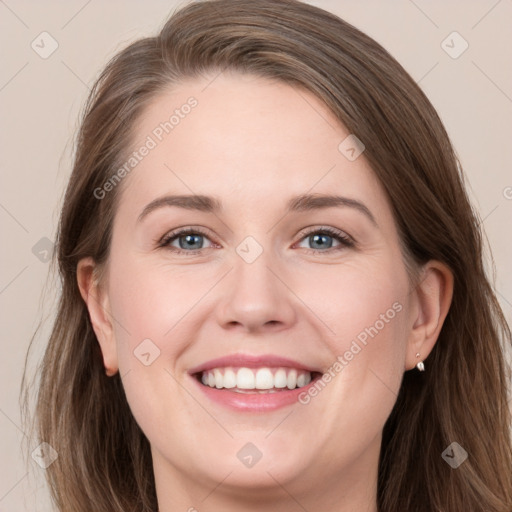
{"x":322,"y":239}
{"x":188,"y":240}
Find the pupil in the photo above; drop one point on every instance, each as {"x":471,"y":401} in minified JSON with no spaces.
{"x":190,"y":243}
{"x":315,"y":239}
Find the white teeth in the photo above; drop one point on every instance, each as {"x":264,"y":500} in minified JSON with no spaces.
{"x":219,"y":379}
{"x":229,"y":378}
{"x":245,"y":379}
{"x":264,"y":379}
{"x":292,"y":379}
{"x":268,"y":380}
{"x":280,"y":379}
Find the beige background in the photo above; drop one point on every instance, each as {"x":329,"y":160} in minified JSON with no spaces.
{"x":41,"y":98}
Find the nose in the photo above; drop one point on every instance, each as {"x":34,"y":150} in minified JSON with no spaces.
{"x":256,"y":298}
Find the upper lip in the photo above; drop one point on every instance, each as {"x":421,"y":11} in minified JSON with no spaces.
{"x":252,"y":361}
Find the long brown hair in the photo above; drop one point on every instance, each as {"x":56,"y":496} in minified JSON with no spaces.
{"x":104,"y":461}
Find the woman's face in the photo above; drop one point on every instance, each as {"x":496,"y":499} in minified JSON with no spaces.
{"x":273,"y":278}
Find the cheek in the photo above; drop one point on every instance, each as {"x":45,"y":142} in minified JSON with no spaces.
{"x":150,"y":304}
{"x":362,"y":297}
{"x":151,"y":300}
{"x":369,"y":316}
{"x":367,"y":310}
{"x":364,"y":307}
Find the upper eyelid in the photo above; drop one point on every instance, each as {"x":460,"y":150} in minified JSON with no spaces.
{"x":318,"y":229}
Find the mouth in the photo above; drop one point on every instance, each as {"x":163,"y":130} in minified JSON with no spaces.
{"x":253,"y":383}
{"x":263,"y":380}
{"x":256,"y":390}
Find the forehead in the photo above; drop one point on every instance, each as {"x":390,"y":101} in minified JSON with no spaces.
{"x":248,"y":139}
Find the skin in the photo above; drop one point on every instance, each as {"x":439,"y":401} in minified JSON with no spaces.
{"x":253,"y":144}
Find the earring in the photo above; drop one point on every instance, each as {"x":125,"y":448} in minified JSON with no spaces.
{"x":420,"y":365}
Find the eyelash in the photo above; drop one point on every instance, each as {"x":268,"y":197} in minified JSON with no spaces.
{"x":345,"y":240}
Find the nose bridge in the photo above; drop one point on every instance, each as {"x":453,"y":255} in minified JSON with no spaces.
{"x":252,"y":273}
{"x":254,"y":297}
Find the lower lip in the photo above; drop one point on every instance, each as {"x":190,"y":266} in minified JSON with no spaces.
{"x":254,"y":402}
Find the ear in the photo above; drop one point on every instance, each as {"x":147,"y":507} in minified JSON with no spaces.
{"x":432,"y":299}
{"x":97,"y":302}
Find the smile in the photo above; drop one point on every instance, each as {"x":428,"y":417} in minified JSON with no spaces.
{"x":262,"y":380}
{"x":254,"y":383}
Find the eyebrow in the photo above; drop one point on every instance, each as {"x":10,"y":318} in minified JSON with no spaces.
{"x":302,"y":203}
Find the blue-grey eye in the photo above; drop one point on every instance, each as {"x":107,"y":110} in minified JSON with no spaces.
{"x":320,"y":241}
{"x":323,"y":240}
{"x":191,"y":241}
{"x":187,"y":241}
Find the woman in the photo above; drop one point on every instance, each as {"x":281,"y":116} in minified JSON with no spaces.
{"x":273,"y":292}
